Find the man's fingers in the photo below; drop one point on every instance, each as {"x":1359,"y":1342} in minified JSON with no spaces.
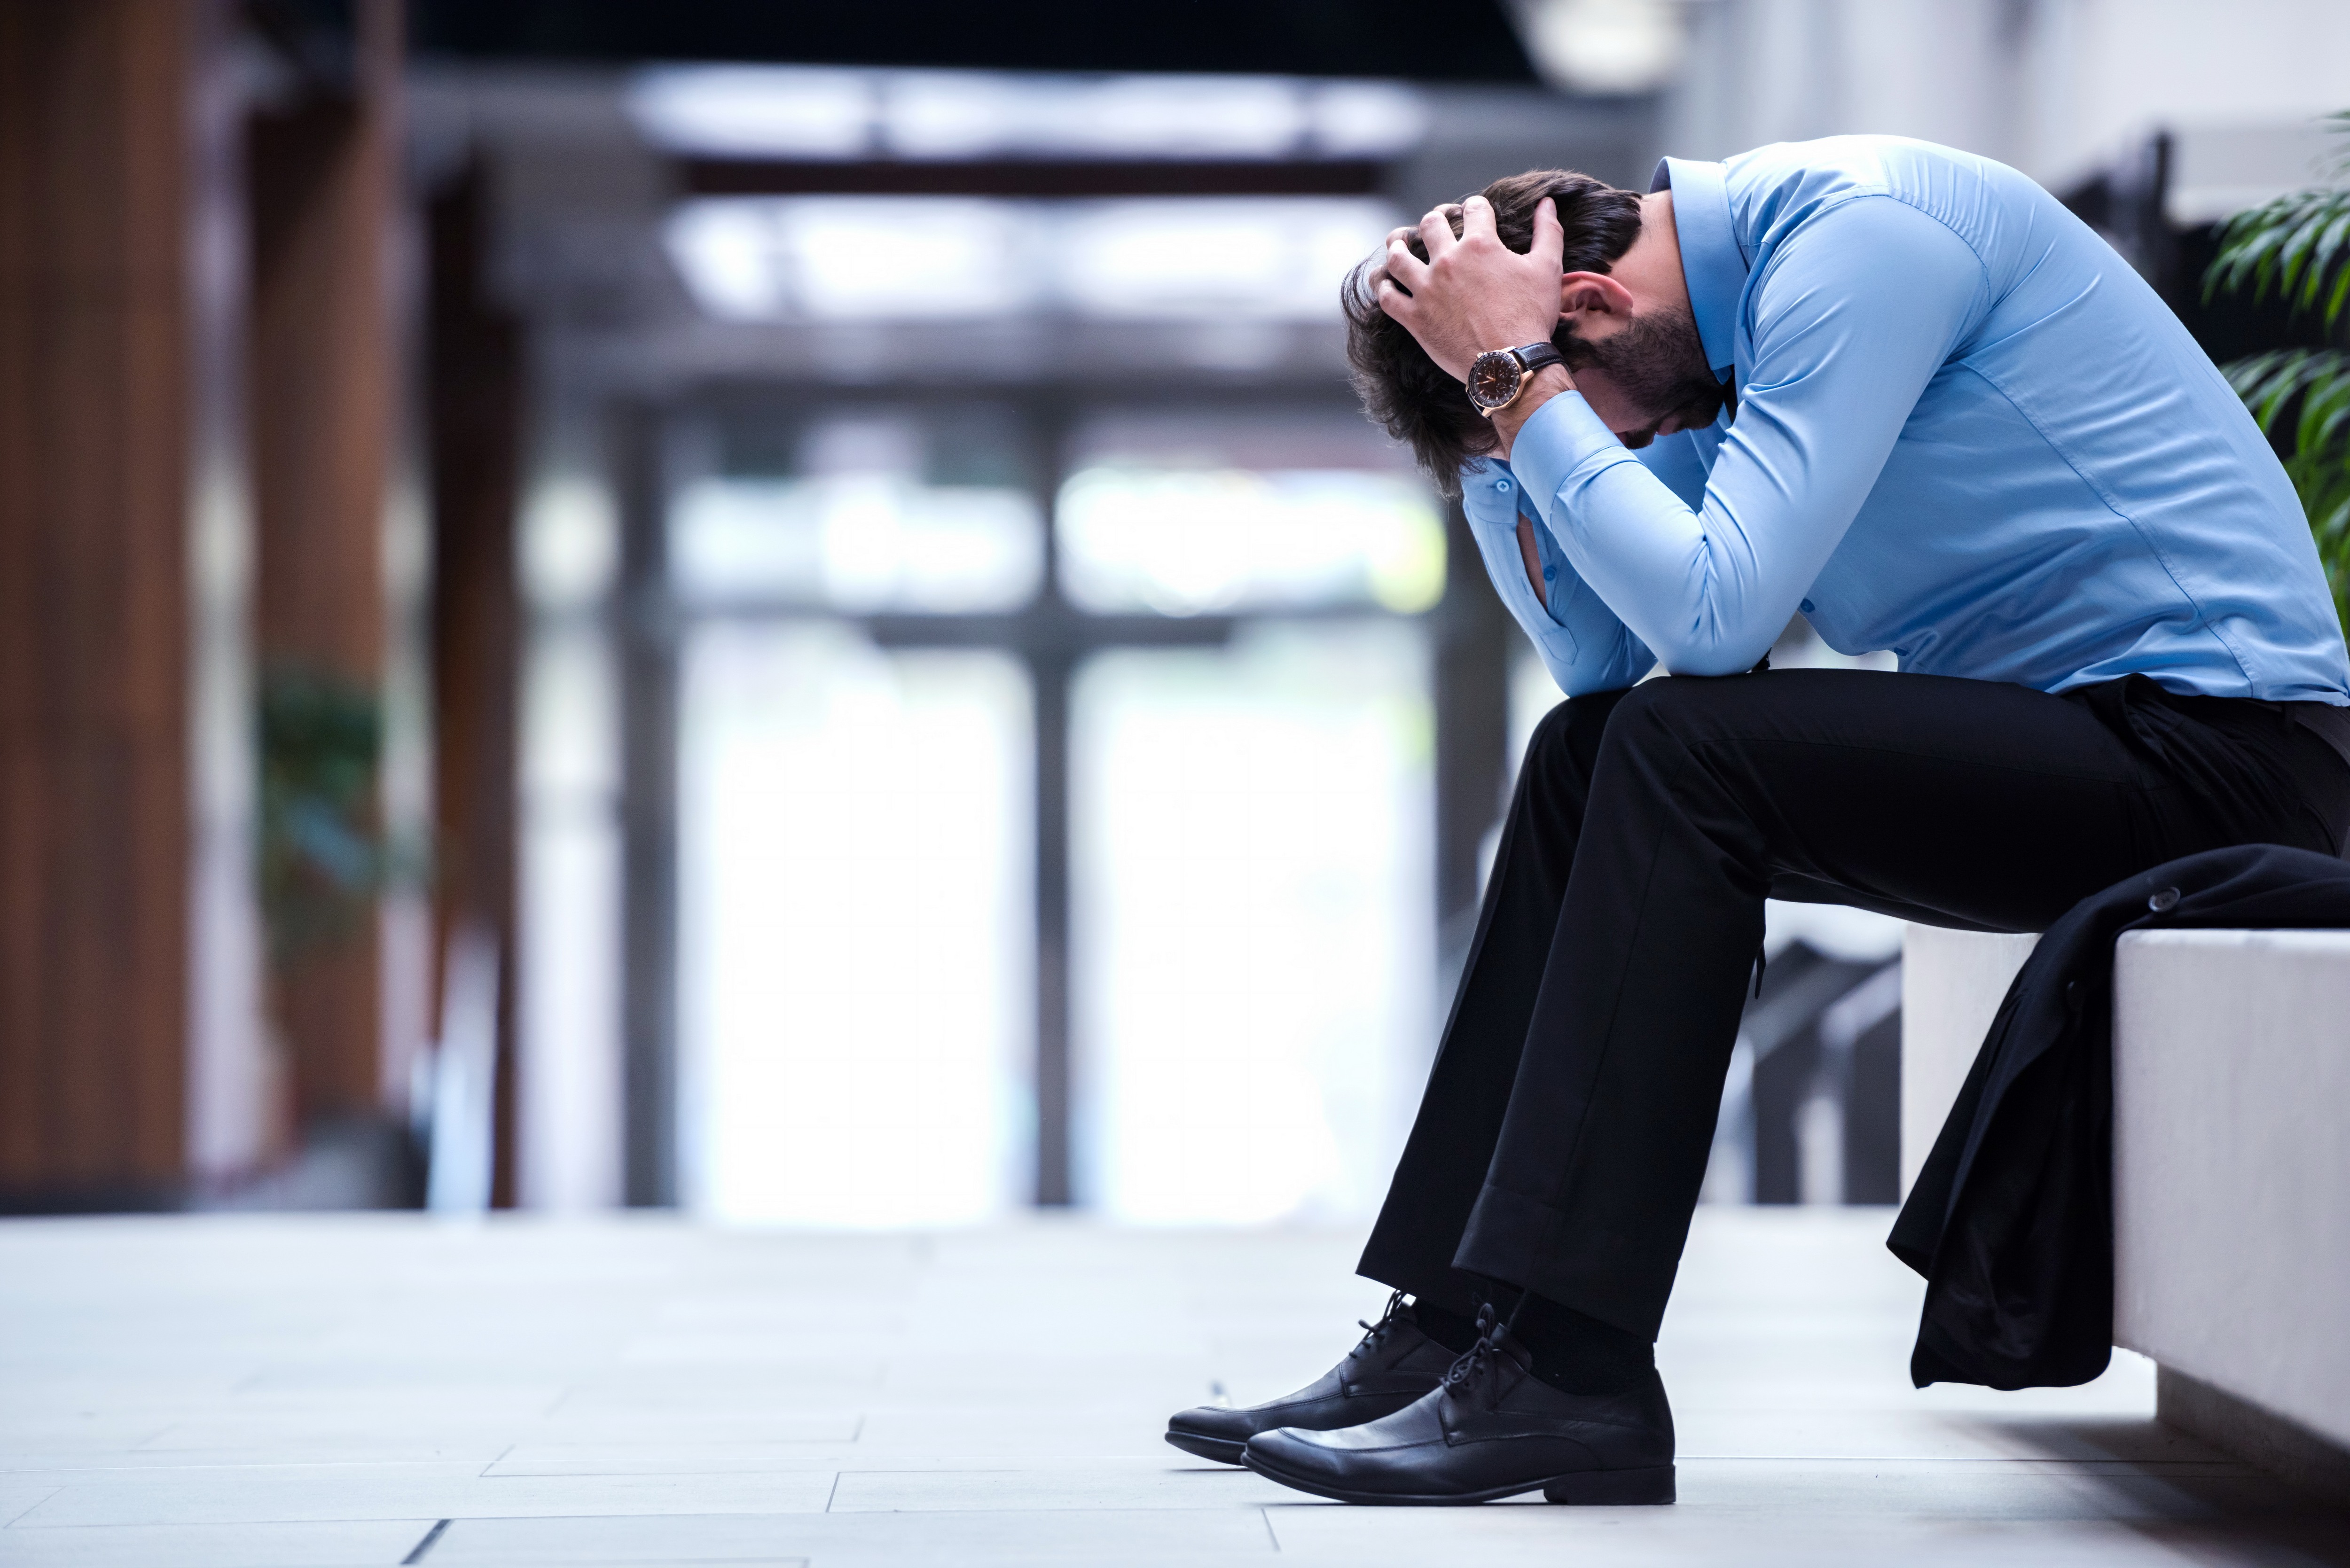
{"x":1477,"y":218}
{"x":1550,"y":239}
{"x":1436,"y":232}
{"x":1403,"y":266}
{"x":1394,"y":301}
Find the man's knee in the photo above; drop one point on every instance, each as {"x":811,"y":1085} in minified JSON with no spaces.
{"x":1645,"y":714}
{"x":1674,"y":708}
{"x":1663,"y":721}
{"x":1551,"y":730}
{"x":1571,"y":730}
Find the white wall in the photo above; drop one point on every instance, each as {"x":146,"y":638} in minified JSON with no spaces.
{"x":2057,"y":87}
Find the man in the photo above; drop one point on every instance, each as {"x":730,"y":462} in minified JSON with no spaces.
{"x":1899,"y":391}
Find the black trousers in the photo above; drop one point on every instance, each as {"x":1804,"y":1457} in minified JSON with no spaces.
{"x":1564,"y":1133}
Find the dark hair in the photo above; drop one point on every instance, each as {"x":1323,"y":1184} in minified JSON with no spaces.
{"x":1401,"y":387}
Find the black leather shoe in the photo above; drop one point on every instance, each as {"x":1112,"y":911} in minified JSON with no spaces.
{"x":1393,"y":1364}
{"x":1491,"y":1430}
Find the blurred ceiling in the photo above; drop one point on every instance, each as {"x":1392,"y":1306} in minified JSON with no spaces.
{"x":657,"y":251}
{"x":698,"y":193}
{"x":1462,"y":41}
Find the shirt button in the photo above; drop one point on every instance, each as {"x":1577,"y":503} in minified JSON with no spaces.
{"x":1501,"y":485}
{"x":1549,"y":573}
{"x":1807,"y":607}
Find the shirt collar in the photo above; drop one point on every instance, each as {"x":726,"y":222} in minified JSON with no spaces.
{"x":1712,"y":261}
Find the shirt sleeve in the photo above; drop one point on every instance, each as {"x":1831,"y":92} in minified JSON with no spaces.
{"x":1582,"y":642}
{"x":1852,"y":317}
{"x":1680,"y":465}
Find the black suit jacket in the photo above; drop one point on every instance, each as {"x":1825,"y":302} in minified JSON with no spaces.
{"x":2012,"y":1218}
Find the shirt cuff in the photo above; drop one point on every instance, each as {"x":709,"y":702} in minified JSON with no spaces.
{"x":1488,"y":492}
{"x":1558,"y":438}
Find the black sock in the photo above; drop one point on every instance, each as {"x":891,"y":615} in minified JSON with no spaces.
{"x":1579,"y":1353}
{"x":1448,"y":1329}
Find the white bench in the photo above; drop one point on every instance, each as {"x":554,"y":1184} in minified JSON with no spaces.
{"x":2231,"y":1167}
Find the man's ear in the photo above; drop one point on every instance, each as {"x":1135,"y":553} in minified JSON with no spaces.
{"x":1583,"y":296}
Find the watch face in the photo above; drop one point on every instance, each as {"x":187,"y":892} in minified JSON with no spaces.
{"x":1493,"y":378}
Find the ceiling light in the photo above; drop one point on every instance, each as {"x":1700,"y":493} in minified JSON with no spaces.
{"x":788,"y":112}
{"x":1239,"y":259}
{"x":1603,"y":45}
{"x":754,"y":111}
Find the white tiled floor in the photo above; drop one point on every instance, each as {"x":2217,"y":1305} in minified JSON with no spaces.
{"x":308,"y":1392}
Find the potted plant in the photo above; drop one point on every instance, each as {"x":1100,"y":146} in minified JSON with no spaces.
{"x":2298,"y":248}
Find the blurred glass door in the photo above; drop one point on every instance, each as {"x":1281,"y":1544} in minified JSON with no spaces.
{"x":1254,"y":928}
{"x":1252,"y":932}
{"x":854,"y":963}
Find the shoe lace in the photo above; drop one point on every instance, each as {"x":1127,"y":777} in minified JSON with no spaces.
{"x":1376,"y":1333}
{"x":1470,"y":1367}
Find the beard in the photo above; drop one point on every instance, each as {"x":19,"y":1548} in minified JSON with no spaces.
{"x":1658,"y":363}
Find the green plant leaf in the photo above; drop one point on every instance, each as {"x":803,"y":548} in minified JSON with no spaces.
{"x":2299,"y":245}
{"x":2306,"y":394}
{"x":323,"y":860}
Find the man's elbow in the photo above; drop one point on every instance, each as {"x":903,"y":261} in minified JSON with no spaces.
{"x":1620,"y":666}
{"x":1700,"y":655}
{"x":1582,"y":683}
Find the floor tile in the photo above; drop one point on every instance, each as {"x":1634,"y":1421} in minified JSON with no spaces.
{"x":956,"y":1539}
{"x":825,"y":1440}
{"x":276,"y":1392}
{"x":20,"y":1494}
{"x":1539,"y":1536}
{"x":1143,"y":1484}
{"x":373,"y":1543}
{"x":284,"y":1493}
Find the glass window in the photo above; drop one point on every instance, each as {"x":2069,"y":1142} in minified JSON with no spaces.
{"x":1181,"y":542}
{"x":1253,"y":933}
{"x":853,"y":938}
{"x":1210,"y":259}
{"x":859,"y":542}
{"x":569,"y":1103}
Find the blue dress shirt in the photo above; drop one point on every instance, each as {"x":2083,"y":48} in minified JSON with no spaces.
{"x":1966,"y":432}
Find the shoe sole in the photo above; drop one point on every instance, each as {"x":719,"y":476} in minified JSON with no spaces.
{"x":1590,"y":1488}
{"x":1223,"y":1450}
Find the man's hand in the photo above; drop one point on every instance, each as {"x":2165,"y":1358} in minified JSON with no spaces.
{"x":1473,"y":293}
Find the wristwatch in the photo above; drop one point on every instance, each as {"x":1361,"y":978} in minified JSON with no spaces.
{"x":1497,"y":376}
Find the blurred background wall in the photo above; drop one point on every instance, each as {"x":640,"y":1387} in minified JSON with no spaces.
{"x":785,"y":610}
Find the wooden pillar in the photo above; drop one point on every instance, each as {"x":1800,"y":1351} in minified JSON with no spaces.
{"x":95,"y":421}
{"x":475,"y":379}
{"x":322,"y":388}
